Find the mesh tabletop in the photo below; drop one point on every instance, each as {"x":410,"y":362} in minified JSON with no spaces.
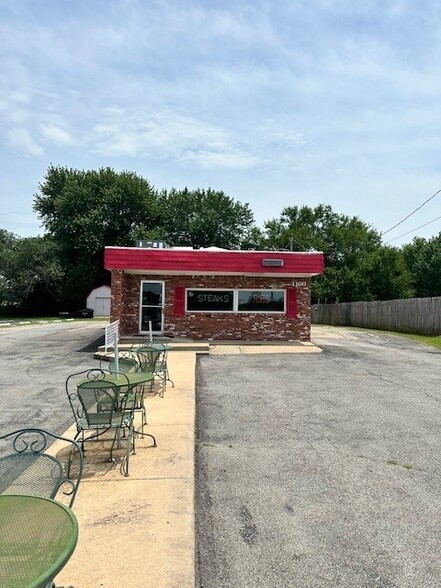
{"x":37,"y":537}
{"x":134,"y":378}
{"x":131,"y":378}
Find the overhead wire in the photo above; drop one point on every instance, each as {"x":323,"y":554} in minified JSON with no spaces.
{"x":410,"y":214}
{"x":291,"y":239}
{"x":413,"y":230}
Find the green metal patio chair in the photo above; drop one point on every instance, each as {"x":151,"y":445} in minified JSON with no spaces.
{"x":102,"y":402}
{"x":27,"y":469}
{"x":127,"y":361}
{"x":153,"y":358}
{"x":162,"y":366}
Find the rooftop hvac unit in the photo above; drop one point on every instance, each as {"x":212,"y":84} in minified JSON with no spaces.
{"x":151,"y":244}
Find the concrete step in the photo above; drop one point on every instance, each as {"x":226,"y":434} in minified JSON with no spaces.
{"x":196,"y":347}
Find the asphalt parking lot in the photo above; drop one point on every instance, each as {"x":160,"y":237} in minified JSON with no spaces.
{"x":35,"y":361}
{"x":320,"y":470}
{"x":313,"y":470}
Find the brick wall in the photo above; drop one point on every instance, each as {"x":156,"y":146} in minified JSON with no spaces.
{"x":203,"y":326}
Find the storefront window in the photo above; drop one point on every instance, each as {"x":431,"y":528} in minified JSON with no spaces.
{"x":210,"y":300}
{"x":261,"y":301}
{"x":236,"y":300}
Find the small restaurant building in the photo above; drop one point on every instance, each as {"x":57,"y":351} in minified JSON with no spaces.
{"x":212,"y":294}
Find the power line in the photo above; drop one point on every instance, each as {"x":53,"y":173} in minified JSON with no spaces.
{"x":410,"y":214}
{"x":413,"y":230}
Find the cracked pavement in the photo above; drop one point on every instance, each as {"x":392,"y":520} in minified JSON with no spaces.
{"x":320,"y":470}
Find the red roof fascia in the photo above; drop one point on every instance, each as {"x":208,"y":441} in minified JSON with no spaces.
{"x":240,"y":262}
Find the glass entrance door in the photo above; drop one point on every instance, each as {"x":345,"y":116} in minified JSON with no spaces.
{"x":151,"y":307}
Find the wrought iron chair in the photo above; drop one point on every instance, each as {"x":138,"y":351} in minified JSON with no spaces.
{"x":101,"y":402}
{"x":153,"y":358}
{"x":127,"y":361}
{"x":162,"y":366}
{"x":27,"y":469}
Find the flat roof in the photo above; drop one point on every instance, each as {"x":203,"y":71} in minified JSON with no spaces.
{"x":184,"y":261}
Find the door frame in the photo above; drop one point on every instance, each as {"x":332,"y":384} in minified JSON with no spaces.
{"x":141,"y":306}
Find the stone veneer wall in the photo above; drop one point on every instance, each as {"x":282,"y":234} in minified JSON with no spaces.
{"x":210,"y":325}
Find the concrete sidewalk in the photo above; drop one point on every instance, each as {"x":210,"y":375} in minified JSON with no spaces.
{"x":139,"y":531}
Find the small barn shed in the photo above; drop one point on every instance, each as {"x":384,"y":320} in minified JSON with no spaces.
{"x":99,"y":301}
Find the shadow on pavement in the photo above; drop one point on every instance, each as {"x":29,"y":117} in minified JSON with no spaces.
{"x":92,"y":346}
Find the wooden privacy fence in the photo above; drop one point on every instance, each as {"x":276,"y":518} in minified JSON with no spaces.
{"x":411,"y":315}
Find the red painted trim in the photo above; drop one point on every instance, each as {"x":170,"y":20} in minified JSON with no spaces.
{"x":179,"y":301}
{"x":240,"y":262}
{"x":291,"y":303}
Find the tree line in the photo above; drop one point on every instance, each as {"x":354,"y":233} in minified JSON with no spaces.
{"x":82,"y":211}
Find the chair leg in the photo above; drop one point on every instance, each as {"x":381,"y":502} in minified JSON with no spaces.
{"x":167,"y":377}
{"x":132,"y":442}
{"x":69,"y":461}
{"x":81,"y":432}
{"x":143,"y":416}
{"x":163,"y":384}
{"x":140,"y":406}
{"x":113,"y":444}
{"x":153,"y":439}
{"x":130,"y":448}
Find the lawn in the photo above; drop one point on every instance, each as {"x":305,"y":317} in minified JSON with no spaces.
{"x":431,"y":340}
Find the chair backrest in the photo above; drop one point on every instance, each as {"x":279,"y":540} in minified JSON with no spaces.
{"x":97,"y":399}
{"x":161,"y":364}
{"x":127,"y":361}
{"x":101,"y":403}
{"x":148,"y":357}
{"x":72,"y":391}
{"x":26,"y":467}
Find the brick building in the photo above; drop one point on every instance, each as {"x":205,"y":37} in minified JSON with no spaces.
{"x":213,"y":294}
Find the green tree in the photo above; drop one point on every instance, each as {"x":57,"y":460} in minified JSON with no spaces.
{"x":357,"y":267}
{"x":32,"y":276}
{"x":83,"y":211}
{"x":423,"y":260}
{"x":204,"y":218}
{"x":8,"y":242}
{"x":386,"y":274}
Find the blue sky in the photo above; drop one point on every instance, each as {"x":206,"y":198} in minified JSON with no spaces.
{"x":277,"y":103}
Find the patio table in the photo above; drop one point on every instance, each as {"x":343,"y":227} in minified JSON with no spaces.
{"x":134,"y":378}
{"x":121,"y":380}
{"x":37,"y":537}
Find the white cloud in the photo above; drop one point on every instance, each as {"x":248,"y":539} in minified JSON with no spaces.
{"x":186,"y":138}
{"x":21,"y":140}
{"x":56,"y":134}
{"x":300,"y":100}
{"x":222,"y":160}
{"x":168,"y":135}
{"x":14,"y":106}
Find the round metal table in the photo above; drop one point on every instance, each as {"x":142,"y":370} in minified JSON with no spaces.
{"x":121,"y":380}
{"x":37,"y":538}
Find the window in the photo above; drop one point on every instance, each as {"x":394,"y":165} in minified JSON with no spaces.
{"x":261,"y":301}
{"x":200,"y":300}
{"x":210,"y":300}
{"x":151,"y":307}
